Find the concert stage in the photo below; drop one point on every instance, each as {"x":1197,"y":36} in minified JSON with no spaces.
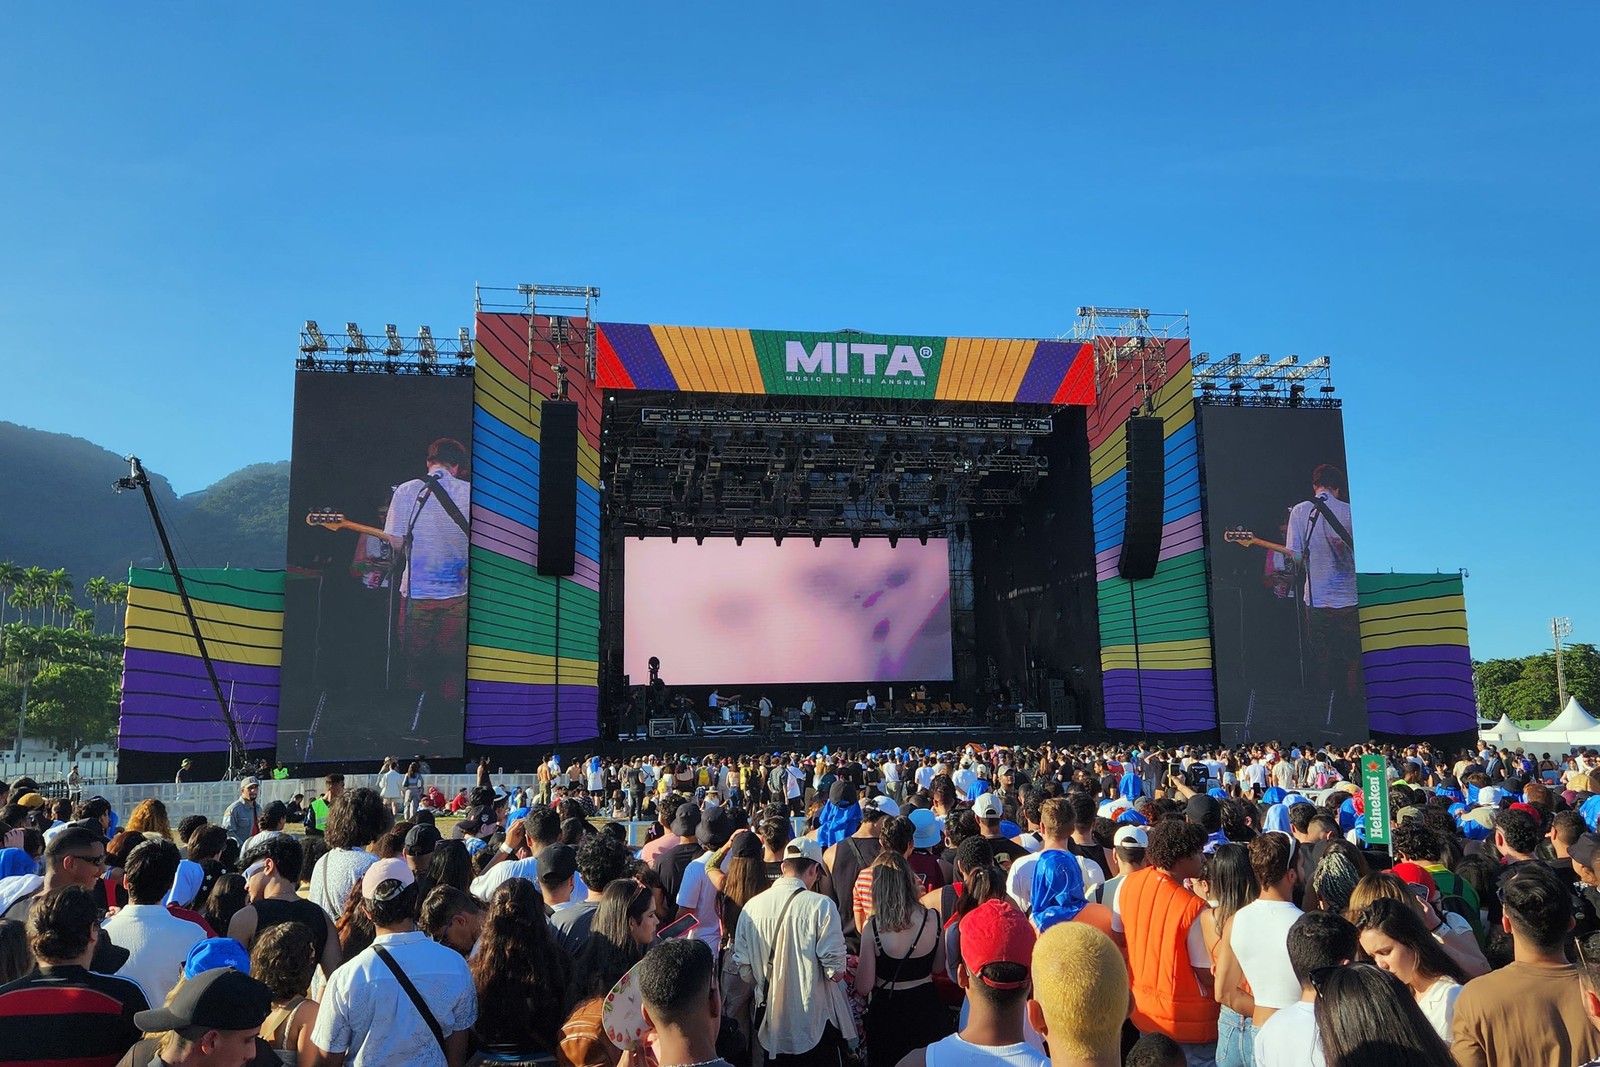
{"x":489,"y":544}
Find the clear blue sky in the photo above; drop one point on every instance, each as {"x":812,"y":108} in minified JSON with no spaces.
{"x":1410,"y":192}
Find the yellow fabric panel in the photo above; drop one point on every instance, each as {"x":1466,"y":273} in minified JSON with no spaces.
{"x":1384,"y":642}
{"x":165,"y":612}
{"x":1437,"y":611}
{"x":983,"y":369}
{"x":710,"y":360}
{"x":1161,"y":655}
{"x":501,"y":395}
{"x":500,"y":665}
{"x":219,"y":647}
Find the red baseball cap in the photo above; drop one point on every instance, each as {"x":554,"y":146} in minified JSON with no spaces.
{"x":996,"y":932}
{"x":1413,"y":874}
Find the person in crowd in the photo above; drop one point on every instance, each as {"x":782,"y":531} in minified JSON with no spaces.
{"x":212,"y":1020}
{"x":1452,"y":932}
{"x":272,"y":881}
{"x":157,"y":941}
{"x":558,"y":870}
{"x":900,"y":951}
{"x":895,"y":834}
{"x":1367,"y":1016}
{"x":316,"y":819}
{"x":1529,"y":1013}
{"x":520,"y":974}
{"x":1080,"y":996}
{"x":355,"y":821}
{"x":242,"y":819}
{"x":1254,"y":947}
{"x":989,"y":811}
{"x":846,"y":857}
{"x":452,"y":917}
{"x":789,"y":943}
{"x":997,"y":945}
{"x":1230,"y":885}
{"x":272,"y":819}
{"x":1394,"y":938}
{"x":682,"y":1004}
{"x":745,"y":877}
{"x":1167,"y":954}
{"x":227,"y":896}
{"x":64,"y":1012}
{"x":601,"y":860}
{"x":1058,"y":895}
{"x":1127,"y":855}
{"x":518,"y":854}
{"x":451,"y":864}
{"x":623,"y":930}
{"x":284,"y":959}
{"x":1057,"y":823}
{"x":927,"y":840}
{"x":1154,"y":1050}
{"x":674,"y":858}
{"x":207,"y":843}
{"x":15,"y":959}
{"x":367,"y":1016}
{"x":1317,"y":942}
{"x":149,"y":816}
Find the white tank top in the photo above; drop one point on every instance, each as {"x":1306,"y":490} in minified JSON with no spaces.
{"x":1260,"y":940}
{"x":954,"y":1052}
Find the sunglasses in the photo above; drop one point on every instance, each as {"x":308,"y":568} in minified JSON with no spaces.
{"x":98,"y":861}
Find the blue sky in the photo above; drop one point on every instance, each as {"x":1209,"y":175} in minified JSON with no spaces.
{"x":181,"y":188}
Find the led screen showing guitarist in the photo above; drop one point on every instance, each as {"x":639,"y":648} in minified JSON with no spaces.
{"x":1317,"y":559}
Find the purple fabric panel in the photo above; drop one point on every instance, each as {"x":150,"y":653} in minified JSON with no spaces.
{"x":586,"y":572}
{"x":505,"y":536}
{"x":517,"y":713}
{"x":637,"y":351}
{"x":168,"y":705}
{"x":1419,"y":690}
{"x":1174,"y":701}
{"x":1051,"y":360}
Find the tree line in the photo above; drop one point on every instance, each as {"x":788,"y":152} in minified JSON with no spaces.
{"x":54,"y":655}
{"x":1525,"y":687}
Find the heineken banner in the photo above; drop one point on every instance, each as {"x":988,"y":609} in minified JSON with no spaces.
{"x":1375,"y":794}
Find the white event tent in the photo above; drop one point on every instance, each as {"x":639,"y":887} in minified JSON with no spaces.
{"x":1502,"y":733}
{"x":1573,"y":728}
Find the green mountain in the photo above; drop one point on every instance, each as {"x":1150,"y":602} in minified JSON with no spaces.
{"x":61,"y":512}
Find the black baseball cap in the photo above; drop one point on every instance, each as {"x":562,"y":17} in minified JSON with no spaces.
{"x":422,"y":840}
{"x":221,"y":999}
{"x":556,"y":863}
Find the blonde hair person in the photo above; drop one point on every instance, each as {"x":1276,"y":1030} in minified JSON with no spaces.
{"x":150,"y":817}
{"x":1080,"y":996}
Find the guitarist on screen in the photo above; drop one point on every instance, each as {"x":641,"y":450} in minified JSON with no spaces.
{"x":426,"y":525}
{"x":1322,"y":542}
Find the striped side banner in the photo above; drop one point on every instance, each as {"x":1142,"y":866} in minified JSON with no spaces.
{"x":168,"y":704}
{"x":1414,"y":654}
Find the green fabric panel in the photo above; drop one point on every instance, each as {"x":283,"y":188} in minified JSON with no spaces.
{"x":514,"y":608}
{"x":1173,"y":605}
{"x":1373,"y":590}
{"x":256,"y":590}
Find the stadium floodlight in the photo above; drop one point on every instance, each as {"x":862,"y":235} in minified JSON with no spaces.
{"x":1200,"y":359}
{"x":425,"y":344}
{"x":314,"y":341}
{"x":464,"y":339}
{"x":355,"y":343}
{"x":396,"y":347}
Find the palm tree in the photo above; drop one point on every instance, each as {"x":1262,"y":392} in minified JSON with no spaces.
{"x":10,"y":578}
{"x":58,"y":584}
{"x":118,"y":597}
{"x":65,"y":608}
{"x":33,"y":583}
{"x":97,"y":589}
{"x":83,"y":620}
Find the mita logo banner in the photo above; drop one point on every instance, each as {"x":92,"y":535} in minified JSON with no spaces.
{"x":848,"y":364}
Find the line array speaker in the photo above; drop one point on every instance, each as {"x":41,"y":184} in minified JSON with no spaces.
{"x":1146,"y":497}
{"x":558,"y":487}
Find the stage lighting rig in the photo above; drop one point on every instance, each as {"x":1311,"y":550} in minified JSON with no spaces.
{"x":396,"y":346}
{"x":312,"y":339}
{"x":464,"y":341}
{"x":355,"y":344}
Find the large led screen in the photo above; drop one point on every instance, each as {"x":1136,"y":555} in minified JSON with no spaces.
{"x":1281,"y":528}
{"x":375,"y":606}
{"x":721,"y":613}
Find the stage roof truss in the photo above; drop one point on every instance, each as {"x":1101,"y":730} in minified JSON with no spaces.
{"x":353,"y":351}
{"x":1130,"y":338}
{"x":1262,"y":381}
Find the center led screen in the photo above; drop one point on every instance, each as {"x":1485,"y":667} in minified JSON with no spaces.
{"x":721,"y":613}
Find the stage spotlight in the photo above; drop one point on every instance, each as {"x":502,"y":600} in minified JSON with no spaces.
{"x":699,"y":538}
{"x":395,"y":346}
{"x":673,"y":531}
{"x":355,"y":344}
{"x":425,"y":343}
{"x":922,"y":536}
{"x":816,"y":539}
{"x":314,"y":341}
{"x":855,"y":540}
{"x":777,"y":538}
{"x":738,"y":537}
{"x":894,"y":540}
{"x":464,"y":340}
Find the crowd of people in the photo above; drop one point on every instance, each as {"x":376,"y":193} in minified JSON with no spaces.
{"x":1091,"y":905}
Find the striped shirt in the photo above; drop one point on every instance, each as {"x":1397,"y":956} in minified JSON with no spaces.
{"x":69,"y":1015}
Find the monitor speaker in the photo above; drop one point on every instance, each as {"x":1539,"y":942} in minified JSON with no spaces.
{"x":558,"y":488}
{"x":663,"y":727}
{"x":1146,"y":497}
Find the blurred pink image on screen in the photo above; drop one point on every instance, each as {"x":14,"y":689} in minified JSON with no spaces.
{"x":726,"y":614}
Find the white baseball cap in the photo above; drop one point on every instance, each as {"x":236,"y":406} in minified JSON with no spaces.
{"x":988,"y":807}
{"x":1131,"y":837}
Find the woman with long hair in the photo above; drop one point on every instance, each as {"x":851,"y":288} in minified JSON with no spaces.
{"x":746,"y":876}
{"x":624,"y":926}
{"x":227,"y":897}
{"x":1230,"y":885}
{"x":451,"y":864}
{"x":284,"y":958}
{"x":356,"y":820}
{"x":1394,"y":937}
{"x":523,"y":974}
{"x":1366,"y":1017}
{"x":1456,"y":939}
{"x":901,"y":948}
{"x":412,"y":786}
{"x":150,"y":817}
